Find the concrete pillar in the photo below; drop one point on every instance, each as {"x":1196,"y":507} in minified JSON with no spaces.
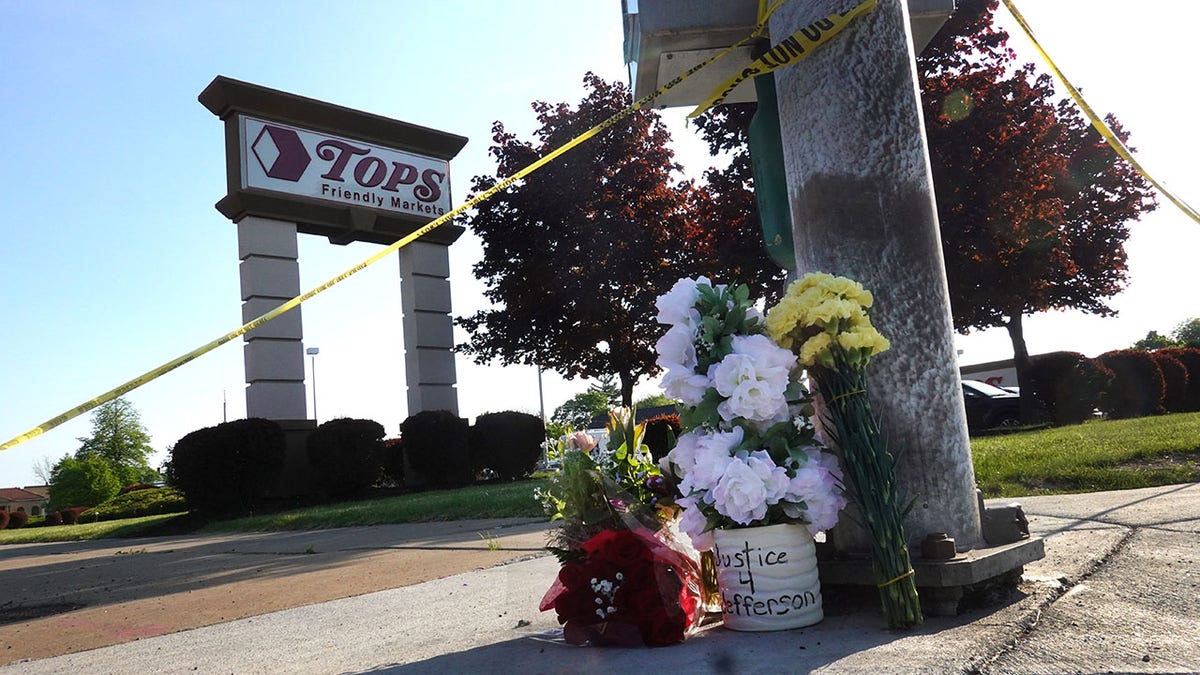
{"x":862,"y":203}
{"x":428,"y":328}
{"x":274,"y":352}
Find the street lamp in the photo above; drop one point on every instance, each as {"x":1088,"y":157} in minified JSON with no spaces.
{"x":312,"y":353}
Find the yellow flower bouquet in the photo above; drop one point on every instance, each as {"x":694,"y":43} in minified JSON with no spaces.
{"x":823,"y":320}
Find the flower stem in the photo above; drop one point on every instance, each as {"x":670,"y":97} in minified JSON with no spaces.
{"x":872,"y":472}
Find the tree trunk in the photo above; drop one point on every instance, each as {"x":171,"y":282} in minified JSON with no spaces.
{"x":1016,"y":332}
{"x":627,"y":380}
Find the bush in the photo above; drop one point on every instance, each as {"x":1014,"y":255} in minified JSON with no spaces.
{"x":1175,"y":381}
{"x":1137,"y":385}
{"x":1190,"y":358}
{"x":391,"y":460}
{"x":660,"y":435}
{"x":52,"y":519}
{"x":344,"y":454}
{"x":150,"y":501}
{"x":228,"y":468}
{"x":137,"y":486}
{"x":3,"y":519}
{"x":1068,"y":386}
{"x":17,"y":519}
{"x":435,"y":443}
{"x":74,"y":515}
{"x":509,"y":443}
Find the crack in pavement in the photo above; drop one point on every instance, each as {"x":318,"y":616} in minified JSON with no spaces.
{"x":1031,"y":621}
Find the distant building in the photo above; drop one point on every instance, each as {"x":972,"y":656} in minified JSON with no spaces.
{"x":996,"y":373}
{"x":30,"y":500}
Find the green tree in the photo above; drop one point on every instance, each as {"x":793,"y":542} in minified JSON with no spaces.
{"x":654,"y":401}
{"x":119,"y":439}
{"x":607,"y":385}
{"x":88,"y":481}
{"x":1154,"y":340}
{"x":1187,"y":334}
{"x":579,"y":410}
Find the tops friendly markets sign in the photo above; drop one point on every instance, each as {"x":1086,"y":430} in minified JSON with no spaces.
{"x":288,"y":159}
{"x":337,"y":172}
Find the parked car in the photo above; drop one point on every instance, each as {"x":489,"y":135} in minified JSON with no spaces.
{"x":990,"y":407}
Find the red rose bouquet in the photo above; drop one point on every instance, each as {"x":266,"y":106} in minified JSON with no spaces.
{"x":626,"y":588}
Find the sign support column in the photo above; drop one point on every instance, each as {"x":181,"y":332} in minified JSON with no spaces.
{"x":274,"y":352}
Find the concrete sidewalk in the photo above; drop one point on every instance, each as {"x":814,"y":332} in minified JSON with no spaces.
{"x":1119,"y":590}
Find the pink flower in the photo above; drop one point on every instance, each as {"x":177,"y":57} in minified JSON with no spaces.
{"x":581,"y":441}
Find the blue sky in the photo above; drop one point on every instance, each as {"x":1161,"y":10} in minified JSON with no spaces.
{"x":115,"y":261}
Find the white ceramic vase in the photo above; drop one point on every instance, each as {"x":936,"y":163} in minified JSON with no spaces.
{"x":768,"y":577}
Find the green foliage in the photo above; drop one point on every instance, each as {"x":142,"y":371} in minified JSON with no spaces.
{"x":555,"y":429}
{"x":1068,"y":386}
{"x":1155,"y":341}
{"x":81,"y":482}
{"x":607,"y":385}
{"x":119,"y":438}
{"x":345,"y":455}
{"x":1137,"y":386}
{"x":654,"y":401}
{"x":580,"y":409}
{"x":435,"y":442}
{"x":509,"y":443}
{"x":1187,"y":334}
{"x":598,"y":490}
{"x":228,"y":468}
{"x":150,"y":502}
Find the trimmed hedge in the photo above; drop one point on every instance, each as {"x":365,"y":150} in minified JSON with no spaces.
{"x":1067,"y":385}
{"x":509,"y":443}
{"x":3,"y":519}
{"x":435,"y":443}
{"x":228,"y":468}
{"x":73,"y":515}
{"x":1137,"y":385}
{"x":1175,"y":381}
{"x":17,"y":519}
{"x":149,"y":501}
{"x":345,"y":455}
{"x":53,"y":518}
{"x":660,"y":435}
{"x":391,"y":460}
{"x":1190,"y":358}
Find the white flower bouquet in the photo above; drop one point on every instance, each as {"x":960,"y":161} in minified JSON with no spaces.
{"x":748,"y":453}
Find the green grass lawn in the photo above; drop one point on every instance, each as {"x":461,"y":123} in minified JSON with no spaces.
{"x":84,"y":531}
{"x":496,"y":500}
{"x":1090,"y":457}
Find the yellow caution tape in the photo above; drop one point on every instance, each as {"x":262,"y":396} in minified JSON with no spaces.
{"x":383,"y":253}
{"x":793,"y":48}
{"x":1113,"y":141}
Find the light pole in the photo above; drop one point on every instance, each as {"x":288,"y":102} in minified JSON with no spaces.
{"x":312,"y":355}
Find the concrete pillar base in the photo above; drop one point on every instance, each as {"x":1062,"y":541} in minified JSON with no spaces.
{"x":941,"y":584}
